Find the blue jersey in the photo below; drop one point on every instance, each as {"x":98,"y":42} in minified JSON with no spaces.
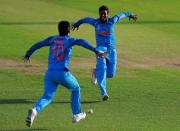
{"x":104,"y":31}
{"x":60,"y":50}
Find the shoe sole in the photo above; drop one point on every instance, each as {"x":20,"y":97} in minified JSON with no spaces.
{"x":28,"y":119}
{"x":28,"y":123}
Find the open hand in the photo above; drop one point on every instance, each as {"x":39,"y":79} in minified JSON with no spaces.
{"x":133,"y":16}
{"x":101,"y":54}
{"x":26,"y":59}
{"x":74,"y":26}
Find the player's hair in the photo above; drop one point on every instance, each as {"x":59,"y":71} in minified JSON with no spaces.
{"x":64,"y":28}
{"x":103,"y":7}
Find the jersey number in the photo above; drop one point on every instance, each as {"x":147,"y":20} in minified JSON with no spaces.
{"x":58,"y":51}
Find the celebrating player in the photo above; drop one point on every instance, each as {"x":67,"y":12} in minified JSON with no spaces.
{"x":57,"y":72}
{"x":104,"y":30}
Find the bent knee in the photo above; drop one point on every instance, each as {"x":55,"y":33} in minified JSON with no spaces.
{"x":48,"y":96}
{"x":76,"y":88}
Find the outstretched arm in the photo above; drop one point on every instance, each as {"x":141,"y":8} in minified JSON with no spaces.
{"x":87,"y":45}
{"x":124,"y":15}
{"x":86,"y":20}
{"x":35,"y":47}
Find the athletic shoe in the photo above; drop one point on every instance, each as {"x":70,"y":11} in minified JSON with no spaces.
{"x":78,"y":117}
{"x":105,"y":97}
{"x":30,"y":117}
{"x":93,"y":79}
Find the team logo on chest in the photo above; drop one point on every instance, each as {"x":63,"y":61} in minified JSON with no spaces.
{"x":102,"y":31}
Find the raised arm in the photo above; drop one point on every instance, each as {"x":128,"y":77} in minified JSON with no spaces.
{"x":124,"y":15}
{"x":36,"y":47}
{"x":86,"y":20}
{"x":87,"y":45}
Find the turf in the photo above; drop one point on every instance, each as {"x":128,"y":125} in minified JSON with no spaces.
{"x":142,"y":100}
{"x":144,"y":94}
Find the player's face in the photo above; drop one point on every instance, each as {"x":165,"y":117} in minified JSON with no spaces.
{"x":103,"y":15}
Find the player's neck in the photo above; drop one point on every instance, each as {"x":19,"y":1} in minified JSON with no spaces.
{"x":63,"y":35}
{"x":104,"y":21}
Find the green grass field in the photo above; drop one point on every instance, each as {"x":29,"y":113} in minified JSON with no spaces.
{"x":144,"y":94}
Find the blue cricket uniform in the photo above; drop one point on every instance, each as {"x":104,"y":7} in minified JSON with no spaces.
{"x":57,"y":73}
{"x":104,"y":32}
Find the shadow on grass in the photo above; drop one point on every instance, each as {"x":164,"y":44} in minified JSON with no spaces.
{"x":26,"y":101}
{"x":15,"y":101}
{"x":127,"y":22}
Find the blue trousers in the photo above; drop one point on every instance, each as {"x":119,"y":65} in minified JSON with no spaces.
{"x":105,"y":68}
{"x":51,"y":81}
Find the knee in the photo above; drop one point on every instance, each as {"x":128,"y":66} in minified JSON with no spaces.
{"x":75,"y":88}
{"x":48,"y":96}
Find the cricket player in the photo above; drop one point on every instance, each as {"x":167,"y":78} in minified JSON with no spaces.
{"x":60,"y":48}
{"x":104,"y":31}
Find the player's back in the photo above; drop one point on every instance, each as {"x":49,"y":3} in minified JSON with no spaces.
{"x":59,"y":52}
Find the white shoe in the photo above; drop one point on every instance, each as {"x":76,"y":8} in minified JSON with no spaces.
{"x":32,"y":113}
{"x":93,"y":79}
{"x":78,"y":117}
